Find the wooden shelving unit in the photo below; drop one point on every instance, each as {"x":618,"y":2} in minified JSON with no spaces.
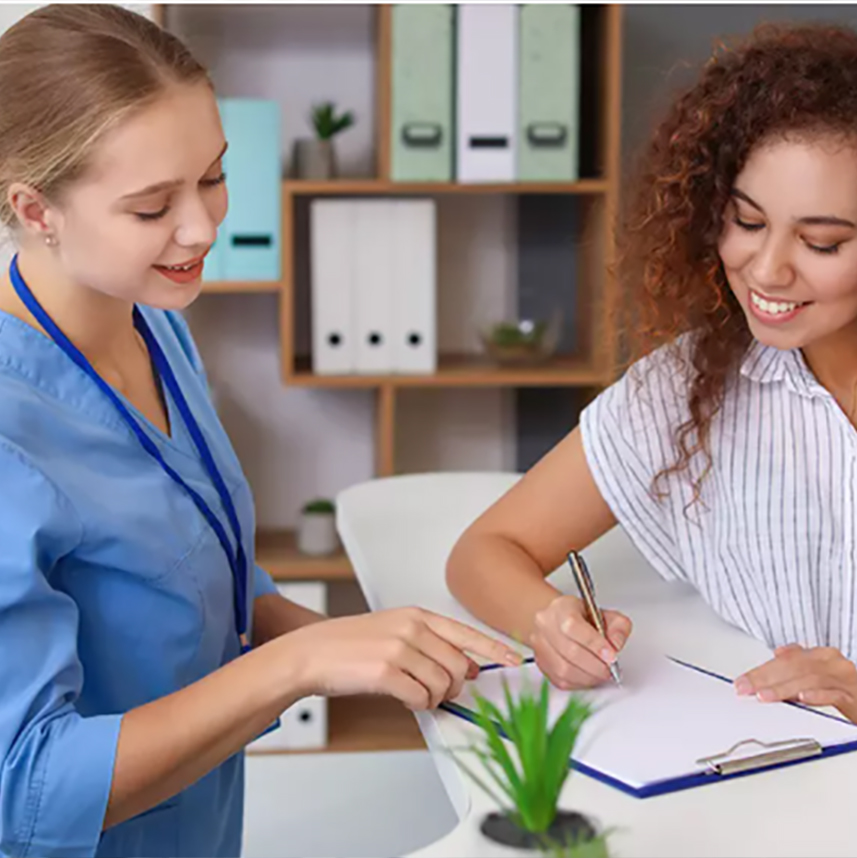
{"x":366,"y":723}
{"x":383,"y":187}
{"x":592,"y":367}
{"x":462,"y":371}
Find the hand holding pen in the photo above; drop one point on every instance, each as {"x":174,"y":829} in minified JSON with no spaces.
{"x":568,"y":646}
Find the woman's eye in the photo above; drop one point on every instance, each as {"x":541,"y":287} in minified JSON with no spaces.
{"x":825,"y":248}
{"x":206,"y":183}
{"x":750,"y":227}
{"x":217,"y":180}
{"x":152,"y":215}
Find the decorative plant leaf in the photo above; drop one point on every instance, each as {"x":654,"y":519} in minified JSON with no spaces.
{"x":495,"y":743}
{"x":490,"y":767}
{"x":481,"y":784}
{"x":561,"y":745}
{"x":326,"y":122}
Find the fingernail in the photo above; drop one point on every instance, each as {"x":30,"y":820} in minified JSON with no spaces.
{"x":608,"y":655}
{"x":766,"y":695}
{"x":513,"y":658}
{"x":565,"y":628}
{"x":743,"y":685}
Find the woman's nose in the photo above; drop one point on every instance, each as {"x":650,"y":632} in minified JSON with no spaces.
{"x":771,"y":267}
{"x":197,"y":226}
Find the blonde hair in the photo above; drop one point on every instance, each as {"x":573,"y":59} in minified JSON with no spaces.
{"x":68,"y":73}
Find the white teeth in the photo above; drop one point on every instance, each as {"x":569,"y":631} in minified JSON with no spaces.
{"x":773,"y":307}
{"x":180,"y":267}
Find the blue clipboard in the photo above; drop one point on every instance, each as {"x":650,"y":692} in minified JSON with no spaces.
{"x":722,"y":766}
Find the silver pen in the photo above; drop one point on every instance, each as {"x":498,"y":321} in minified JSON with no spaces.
{"x":587,"y":593}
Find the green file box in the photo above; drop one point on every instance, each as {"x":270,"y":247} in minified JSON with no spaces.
{"x":549,"y":94}
{"x":422,"y":93}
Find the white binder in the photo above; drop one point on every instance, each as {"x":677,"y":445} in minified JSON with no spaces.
{"x":413,"y":247}
{"x":373,"y":285}
{"x":487,"y":48}
{"x":331,"y":286}
{"x":304,"y":724}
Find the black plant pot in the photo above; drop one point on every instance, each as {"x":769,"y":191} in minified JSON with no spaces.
{"x":567,"y":826}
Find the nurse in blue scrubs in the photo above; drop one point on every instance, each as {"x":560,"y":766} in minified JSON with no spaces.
{"x":142,"y":648}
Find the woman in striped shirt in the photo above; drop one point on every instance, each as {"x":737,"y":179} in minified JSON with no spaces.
{"x":728,"y":451}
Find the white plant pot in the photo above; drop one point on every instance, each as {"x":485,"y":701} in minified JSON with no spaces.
{"x":317,"y":533}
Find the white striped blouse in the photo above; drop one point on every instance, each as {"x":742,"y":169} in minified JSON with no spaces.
{"x":771,"y":543}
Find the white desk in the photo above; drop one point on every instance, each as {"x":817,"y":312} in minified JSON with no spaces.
{"x":398,"y":533}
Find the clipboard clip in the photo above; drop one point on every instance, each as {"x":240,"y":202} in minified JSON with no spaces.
{"x":767,"y":754}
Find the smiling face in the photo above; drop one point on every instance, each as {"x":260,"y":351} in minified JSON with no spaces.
{"x":789,"y":241}
{"x":152,"y":199}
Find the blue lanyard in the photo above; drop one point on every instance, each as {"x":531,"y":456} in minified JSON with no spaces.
{"x":237,"y":558}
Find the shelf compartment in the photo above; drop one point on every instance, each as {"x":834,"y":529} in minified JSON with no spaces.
{"x":365,"y":723}
{"x":277,"y":554}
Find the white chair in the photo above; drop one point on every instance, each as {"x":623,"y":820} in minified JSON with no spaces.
{"x":399,"y":531}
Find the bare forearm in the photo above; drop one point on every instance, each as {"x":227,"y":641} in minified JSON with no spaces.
{"x":168,"y":744}
{"x":498,"y":582}
{"x":274,"y":615}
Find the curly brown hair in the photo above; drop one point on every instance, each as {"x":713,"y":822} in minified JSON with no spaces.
{"x":779,"y":80}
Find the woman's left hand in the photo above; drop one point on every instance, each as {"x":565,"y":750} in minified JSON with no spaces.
{"x":820,"y":676}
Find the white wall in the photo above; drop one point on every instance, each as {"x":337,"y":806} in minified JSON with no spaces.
{"x":297,"y":443}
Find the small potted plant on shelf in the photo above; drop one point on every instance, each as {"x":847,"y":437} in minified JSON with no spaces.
{"x":315,"y":158}
{"x":522,"y":341}
{"x":529,"y":771}
{"x":317,"y":528}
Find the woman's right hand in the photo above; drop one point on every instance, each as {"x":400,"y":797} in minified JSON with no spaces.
{"x":411,"y":654}
{"x":568,"y":648}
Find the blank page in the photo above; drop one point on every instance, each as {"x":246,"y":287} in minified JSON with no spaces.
{"x":664,"y":718}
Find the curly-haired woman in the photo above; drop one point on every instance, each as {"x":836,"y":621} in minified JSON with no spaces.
{"x":728,"y":451}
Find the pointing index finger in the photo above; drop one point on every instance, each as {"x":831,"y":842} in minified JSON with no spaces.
{"x":468,"y":639}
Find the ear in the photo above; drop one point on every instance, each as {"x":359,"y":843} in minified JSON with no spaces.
{"x":35,"y":216}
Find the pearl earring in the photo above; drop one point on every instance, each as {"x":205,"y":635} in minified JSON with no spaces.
{"x":51,"y":240}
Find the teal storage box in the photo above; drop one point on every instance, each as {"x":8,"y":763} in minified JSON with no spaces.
{"x":549,"y":93}
{"x":422,"y":93}
{"x":250,"y":238}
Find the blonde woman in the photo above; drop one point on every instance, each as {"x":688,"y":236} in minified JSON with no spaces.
{"x":142,"y":649}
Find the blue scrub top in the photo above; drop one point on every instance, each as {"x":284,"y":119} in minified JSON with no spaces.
{"x":114,"y":591}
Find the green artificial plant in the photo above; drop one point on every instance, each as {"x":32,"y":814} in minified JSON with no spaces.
{"x":531,"y":784}
{"x":327,"y":122}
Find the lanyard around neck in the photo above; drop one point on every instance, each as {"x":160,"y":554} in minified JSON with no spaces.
{"x":237,"y":558}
